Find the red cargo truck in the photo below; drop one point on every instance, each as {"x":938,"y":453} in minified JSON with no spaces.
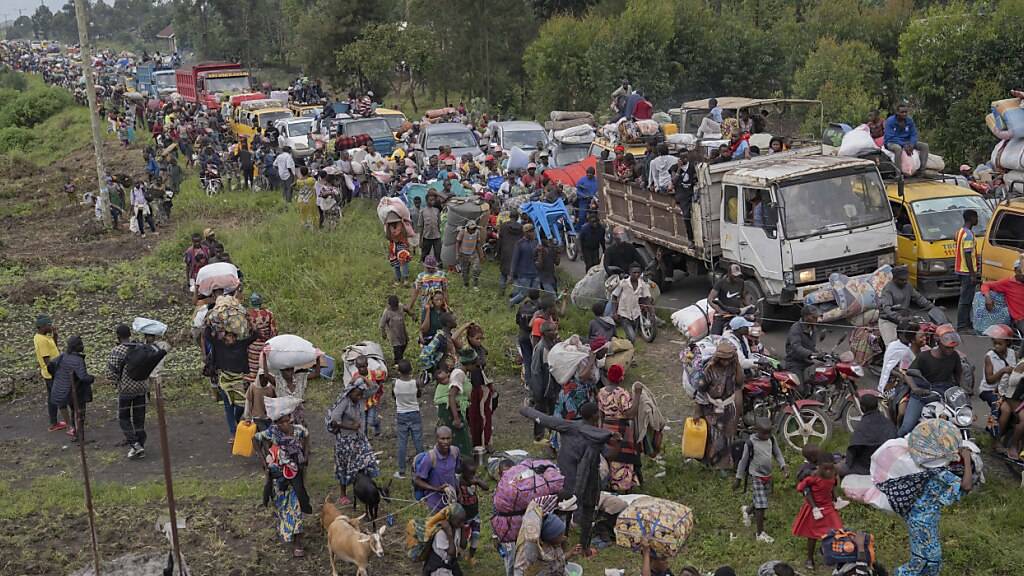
{"x":204,"y":83}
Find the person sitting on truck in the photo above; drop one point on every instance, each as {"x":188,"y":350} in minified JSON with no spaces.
{"x":876,"y":127}
{"x":730,"y":125}
{"x":746,"y":122}
{"x":723,"y":154}
{"x":659,"y":176}
{"x":728,"y":297}
{"x":716,"y":111}
{"x":621,"y":254}
{"x":739,"y":146}
{"x":776,"y":144}
{"x":896,"y":300}
{"x":643,"y":109}
{"x":684,"y":178}
{"x":801,"y":342}
{"x":901,"y":137}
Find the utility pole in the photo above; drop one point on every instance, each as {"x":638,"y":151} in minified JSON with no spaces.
{"x":81,"y":16}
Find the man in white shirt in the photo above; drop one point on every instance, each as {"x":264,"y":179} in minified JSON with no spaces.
{"x":898,"y":354}
{"x":374,"y":161}
{"x":627,"y":301}
{"x":659,"y":177}
{"x":285,"y":165}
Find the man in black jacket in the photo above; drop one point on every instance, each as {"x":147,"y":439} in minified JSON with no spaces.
{"x":684,"y":178}
{"x":800,"y":345}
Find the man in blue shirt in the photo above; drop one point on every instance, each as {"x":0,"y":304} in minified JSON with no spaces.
{"x":586,"y":190}
{"x":901,"y":137}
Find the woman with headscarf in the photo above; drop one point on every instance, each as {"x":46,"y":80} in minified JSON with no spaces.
{"x":934,"y":444}
{"x":69,"y":372}
{"x":265,"y":327}
{"x":352,"y":451}
{"x":716,"y":401}
{"x":618,"y":409}
{"x":540,"y":546}
{"x":284,"y":451}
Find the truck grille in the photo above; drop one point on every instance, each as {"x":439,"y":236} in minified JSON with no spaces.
{"x":850,"y":267}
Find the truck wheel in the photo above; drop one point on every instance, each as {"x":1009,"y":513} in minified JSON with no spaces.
{"x":761,"y":306}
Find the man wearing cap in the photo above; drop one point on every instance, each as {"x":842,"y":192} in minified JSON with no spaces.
{"x":1013,"y":290}
{"x":530,"y":179}
{"x":45,"y":343}
{"x":729,"y":298}
{"x":469,"y":247}
{"x":939,"y":369}
{"x":429,"y":225}
{"x":736,"y":333}
{"x":896,"y":300}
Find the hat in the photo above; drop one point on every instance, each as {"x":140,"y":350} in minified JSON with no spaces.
{"x":430,"y":262}
{"x":551,"y":528}
{"x":616,"y":373}
{"x":739,"y":322}
{"x":620,"y":148}
{"x":255,"y":299}
{"x":43,"y":320}
{"x":901,"y":272}
{"x":208,"y":232}
{"x":735,"y":270}
{"x":965,"y":168}
{"x":999,"y":332}
{"x":725,"y":351}
{"x":947,"y":336}
{"x":531,"y":165}
{"x":467,"y":356}
{"x":471,"y":225}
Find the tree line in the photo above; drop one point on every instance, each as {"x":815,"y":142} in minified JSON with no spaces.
{"x":947,"y":59}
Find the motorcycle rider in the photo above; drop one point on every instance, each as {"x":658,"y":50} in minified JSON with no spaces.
{"x":621,"y":253}
{"x":800,"y":346}
{"x":940,"y":368}
{"x":736,"y":334}
{"x":898,"y":353}
{"x":628,"y":300}
{"x":728,"y":297}
{"x":896,"y":300}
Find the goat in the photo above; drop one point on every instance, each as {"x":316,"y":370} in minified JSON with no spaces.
{"x":349,"y":544}
{"x":366,"y":491}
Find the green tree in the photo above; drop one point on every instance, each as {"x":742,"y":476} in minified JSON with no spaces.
{"x":327,"y":25}
{"x":845,"y":76}
{"x":384,"y":55}
{"x":20,"y":29}
{"x":558,"y":67}
{"x":952,"y":64}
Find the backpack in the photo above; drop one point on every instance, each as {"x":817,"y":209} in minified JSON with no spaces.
{"x":141,"y":360}
{"x":840,"y":547}
{"x":525,"y":314}
{"x":420,"y":532}
{"x":418,"y":493}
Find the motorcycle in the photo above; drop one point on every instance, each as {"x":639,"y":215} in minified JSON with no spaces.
{"x":491,"y":245}
{"x":773,"y":395}
{"x":211,"y":180}
{"x":648,"y":324}
{"x":954,"y":405}
{"x":834,"y":384}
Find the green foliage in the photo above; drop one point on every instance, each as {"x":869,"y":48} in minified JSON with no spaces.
{"x":32,"y":107}
{"x":320,"y":27}
{"x":385,"y":52}
{"x":845,"y":76}
{"x":953,"y":63}
{"x":11,"y":80}
{"x":558,"y":67}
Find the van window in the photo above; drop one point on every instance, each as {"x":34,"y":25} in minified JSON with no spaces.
{"x":1009,"y":231}
{"x":731,"y":202}
{"x":903,"y":225}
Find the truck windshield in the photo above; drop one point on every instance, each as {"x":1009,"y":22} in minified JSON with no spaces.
{"x":394,"y":121}
{"x":375,"y":127}
{"x":231,"y":84}
{"x":164,"y":80}
{"x":834,"y":204}
{"x":299,"y":128}
{"x":565,"y":155}
{"x":462,"y":139}
{"x":268,"y":118}
{"x":940,"y":218}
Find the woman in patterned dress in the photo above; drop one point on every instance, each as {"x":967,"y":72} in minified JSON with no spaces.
{"x":352,"y":451}
{"x":285,"y":450}
{"x":618,"y":410}
{"x":265,"y":327}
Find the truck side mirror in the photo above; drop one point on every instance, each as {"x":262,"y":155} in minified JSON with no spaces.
{"x":771,"y":216}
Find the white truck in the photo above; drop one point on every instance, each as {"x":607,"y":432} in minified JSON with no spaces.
{"x":819,"y":214}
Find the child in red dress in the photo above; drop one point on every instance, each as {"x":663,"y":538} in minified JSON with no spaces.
{"x":818,"y":514}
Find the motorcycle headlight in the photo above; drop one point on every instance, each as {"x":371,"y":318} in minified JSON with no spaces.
{"x":805,"y":276}
{"x":964,"y":416}
{"x":886,"y":259}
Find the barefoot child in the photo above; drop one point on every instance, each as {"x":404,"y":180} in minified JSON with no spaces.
{"x":760,"y":452}
{"x":818,"y":514}
{"x":470,"y":502}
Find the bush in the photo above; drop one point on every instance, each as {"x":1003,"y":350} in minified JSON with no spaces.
{"x":14,"y":138}
{"x":34,"y":106}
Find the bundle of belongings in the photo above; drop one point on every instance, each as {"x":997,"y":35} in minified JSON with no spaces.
{"x":694,"y":322}
{"x":562,"y":120}
{"x":217,"y":276}
{"x":628,"y":131}
{"x":902,"y":467}
{"x":519,"y":485}
{"x":694,"y":357}
{"x":228,"y":316}
{"x":394,"y":215}
{"x":661,"y":525}
{"x":850,"y":297}
{"x":374,"y":354}
{"x":1006,"y":122}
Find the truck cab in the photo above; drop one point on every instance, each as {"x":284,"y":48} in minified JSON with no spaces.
{"x":928,"y":214}
{"x":1003,"y":241}
{"x":789,"y":220}
{"x":295,"y":133}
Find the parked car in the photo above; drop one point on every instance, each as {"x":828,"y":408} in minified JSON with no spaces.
{"x":294,"y":133}
{"x":458,"y":136}
{"x":517,"y":134}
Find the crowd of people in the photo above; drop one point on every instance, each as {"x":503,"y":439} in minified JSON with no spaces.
{"x":606,"y":431}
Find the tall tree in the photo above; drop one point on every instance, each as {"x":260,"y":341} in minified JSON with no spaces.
{"x":845,"y":76}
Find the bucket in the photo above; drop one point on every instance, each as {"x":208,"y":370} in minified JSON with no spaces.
{"x":573,"y":569}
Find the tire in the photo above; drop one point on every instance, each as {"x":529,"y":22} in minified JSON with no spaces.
{"x":648,"y":326}
{"x":818,"y":421}
{"x":261,"y":183}
{"x":572,"y":248}
{"x":852,"y":415}
{"x":213,"y":187}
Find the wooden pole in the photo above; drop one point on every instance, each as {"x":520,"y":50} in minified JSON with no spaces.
{"x":79,"y":424}
{"x":90,"y":92}
{"x":165,"y":455}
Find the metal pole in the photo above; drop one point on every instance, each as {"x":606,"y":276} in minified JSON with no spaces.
{"x":79,"y":423}
{"x":90,"y":92}
{"x":165,"y":455}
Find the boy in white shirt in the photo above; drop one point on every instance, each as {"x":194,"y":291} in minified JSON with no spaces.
{"x":406,"y":393}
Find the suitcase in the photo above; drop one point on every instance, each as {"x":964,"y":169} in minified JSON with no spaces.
{"x":695,"y":437}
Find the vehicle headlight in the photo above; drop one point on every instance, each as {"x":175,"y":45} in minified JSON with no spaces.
{"x":928,"y":266}
{"x":805,"y":276}
{"x":886,"y":260}
{"x":964,"y":417}
{"x":787,"y":277}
